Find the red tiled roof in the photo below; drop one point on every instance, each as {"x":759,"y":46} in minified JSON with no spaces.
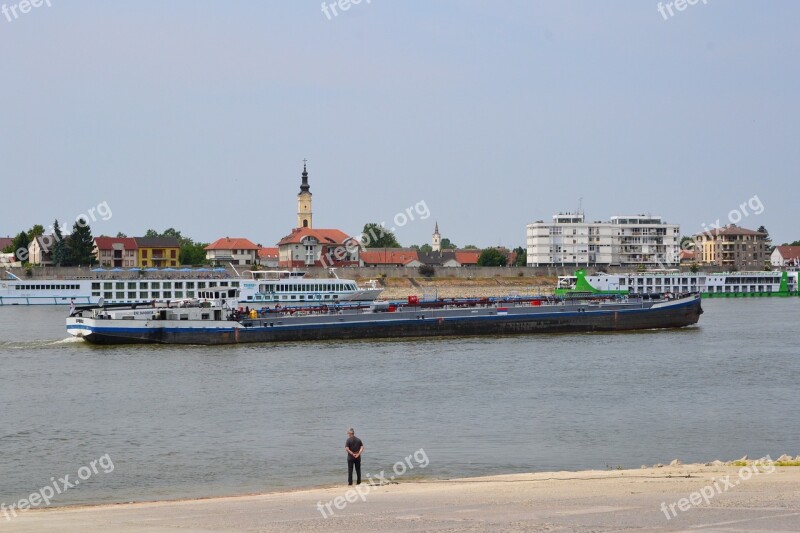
{"x":731,"y":229}
{"x":267,"y":253}
{"x":106,"y":243}
{"x":789,"y":252}
{"x":324,"y":236}
{"x":468,"y":257}
{"x":388,"y":256}
{"x":236,"y":243}
{"x":5,"y":241}
{"x":686,"y":254}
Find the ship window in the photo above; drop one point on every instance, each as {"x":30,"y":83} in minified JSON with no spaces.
{"x":223,"y":283}
{"x":143,"y":295}
{"x":107,"y":295}
{"x":143,"y":285}
{"x":132,"y":285}
{"x":119,"y":285}
{"x":131,"y":296}
{"x":190,"y":284}
{"x":201,"y":284}
{"x":96,"y":293}
{"x":294,"y":297}
{"x":212,"y":283}
{"x":107,"y":285}
{"x":167,"y":294}
{"x":95,"y":286}
{"x":190,"y":294}
{"x":155,"y":294}
{"x":178,"y":284}
{"x":167,"y":285}
{"x":120,"y":296}
{"x":155,"y":285}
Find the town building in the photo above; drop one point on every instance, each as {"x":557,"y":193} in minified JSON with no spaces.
{"x":395,"y":257}
{"x":269,"y":257}
{"x":631,"y":240}
{"x":732,"y":248}
{"x":40,"y":250}
{"x":307,"y":246}
{"x":785,"y":256}
{"x":116,"y":252}
{"x":238,"y":251}
{"x":158,"y":252}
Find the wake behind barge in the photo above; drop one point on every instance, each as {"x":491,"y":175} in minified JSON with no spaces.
{"x":212,"y":320}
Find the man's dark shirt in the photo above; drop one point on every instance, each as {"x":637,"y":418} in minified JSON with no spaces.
{"x":355,"y":444}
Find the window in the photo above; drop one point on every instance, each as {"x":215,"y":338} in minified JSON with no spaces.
{"x":144,"y":254}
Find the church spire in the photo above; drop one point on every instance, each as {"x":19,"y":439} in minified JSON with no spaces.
{"x":304,"y":186}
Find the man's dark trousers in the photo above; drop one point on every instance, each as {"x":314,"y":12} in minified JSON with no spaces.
{"x":351,"y":462}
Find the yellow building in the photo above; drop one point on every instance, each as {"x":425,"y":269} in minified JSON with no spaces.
{"x":159,"y":252}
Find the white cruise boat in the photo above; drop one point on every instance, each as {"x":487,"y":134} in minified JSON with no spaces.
{"x":262,"y":288}
{"x":708,"y":284}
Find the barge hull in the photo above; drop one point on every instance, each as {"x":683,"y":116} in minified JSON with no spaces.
{"x":421,"y":324}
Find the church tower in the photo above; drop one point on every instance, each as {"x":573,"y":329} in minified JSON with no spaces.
{"x":304,"y":202}
{"x":436,"y":244}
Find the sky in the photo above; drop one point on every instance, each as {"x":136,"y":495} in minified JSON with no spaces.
{"x":485,"y":115}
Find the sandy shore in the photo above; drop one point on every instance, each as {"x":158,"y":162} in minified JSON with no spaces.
{"x":560,"y":501}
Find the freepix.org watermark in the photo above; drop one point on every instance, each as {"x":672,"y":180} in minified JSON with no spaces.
{"x":332,"y":9}
{"x":44,"y":495}
{"x":666,"y":9}
{"x":717,"y":487}
{"x":361,"y":491}
{"x":14,"y":11}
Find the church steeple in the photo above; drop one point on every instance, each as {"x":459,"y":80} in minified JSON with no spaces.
{"x":304,"y":186}
{"x":304,"y":213}
{"x":436,"y":243}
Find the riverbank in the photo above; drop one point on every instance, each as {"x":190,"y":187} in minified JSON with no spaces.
{"x":737,"y":498}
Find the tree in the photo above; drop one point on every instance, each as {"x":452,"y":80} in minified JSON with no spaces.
{"x":687,"y":242}
{"x":81,"y":244}
{"x":19,"y":246}
{"x":377,"y":236}
{"x":767,"y":239}
{"x":470,"y":247}
{"x":121,"y":235}
{"x":795,"y":243}
{"x":521,"y":259}
{"x":492,"y":257}
{"x":152,"y":233}
{"x":448,"y":245}
{"x":426,"y":248}
{"x":36,"y":231}
{"x":426,"y":270}
{"x":192,"y":253}
{"x":60,"y":252}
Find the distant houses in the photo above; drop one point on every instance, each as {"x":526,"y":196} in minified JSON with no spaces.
{"x":785,"y":256}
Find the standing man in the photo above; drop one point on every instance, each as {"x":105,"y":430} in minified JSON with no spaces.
{"x":354,"y":448}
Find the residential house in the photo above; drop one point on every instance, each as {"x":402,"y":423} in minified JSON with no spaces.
{"x":785,"y":256}
{"x":159,"y":252}
{"x":116,"y":252}
{"x":40,"y":250}
{"x":269,"y":257}
{"x":393,"y":257}
{"x":238,"y":250}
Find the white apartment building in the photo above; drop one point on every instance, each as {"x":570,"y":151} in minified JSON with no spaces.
{"x":634,"y":241}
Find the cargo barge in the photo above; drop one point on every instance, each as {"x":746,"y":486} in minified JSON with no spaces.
{"x":213,"y":320}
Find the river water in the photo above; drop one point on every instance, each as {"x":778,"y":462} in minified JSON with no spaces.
{"x":180,"y":422}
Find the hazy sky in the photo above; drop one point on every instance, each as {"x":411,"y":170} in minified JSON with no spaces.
{"x":198,"y":114}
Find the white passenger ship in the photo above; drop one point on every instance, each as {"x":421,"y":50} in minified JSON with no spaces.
{"x":708,"y":284}
{"x":256,"y":288}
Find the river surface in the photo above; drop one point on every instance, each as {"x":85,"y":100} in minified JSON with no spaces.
{"x":179,"y":422}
